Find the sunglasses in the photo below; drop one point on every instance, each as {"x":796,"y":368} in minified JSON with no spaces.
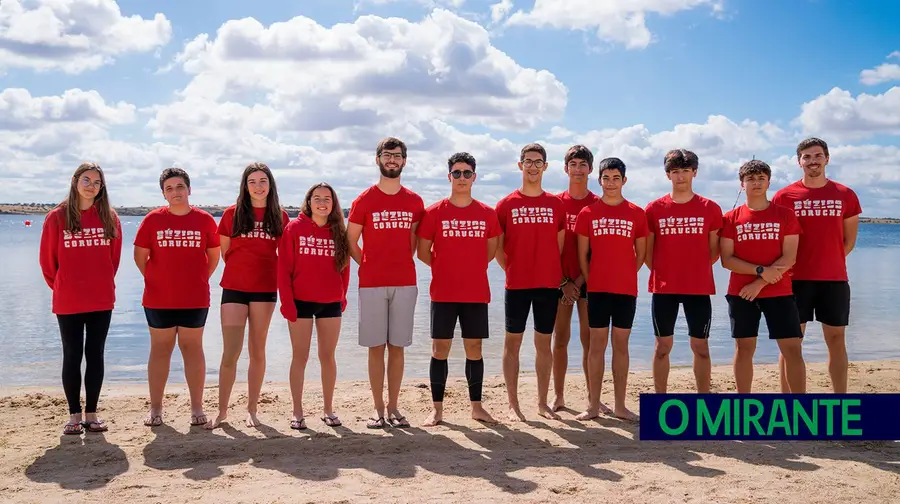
{"x":462,"y":173}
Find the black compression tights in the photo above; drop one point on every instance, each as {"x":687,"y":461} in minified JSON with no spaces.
{"x":83,"y":334}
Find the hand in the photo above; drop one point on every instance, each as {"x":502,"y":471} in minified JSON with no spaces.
{"x":289,"y":312}
{"x":751,"y":290}
{"x":771,"y":275}
{"x":571,"y":292}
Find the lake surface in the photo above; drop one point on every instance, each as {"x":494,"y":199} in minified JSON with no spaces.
{"x":31,"y":353}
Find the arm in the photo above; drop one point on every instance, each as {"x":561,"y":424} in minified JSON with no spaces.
{"x":640,"y":251}
{"x":424,"y":251}
{"x":413,"y":239}
{"x":648,"y":255}
{"x":115,"y":248}
{"x":345,"y":277}
{"x":354,"y":231}
{"x":141,"y":256}
{"x":212,"y":260}
{"x":49,"y":249}
{"x":561,"y":238}
{"x":492,"y":245}
{"x":501,"y":254}
{"x":770,"y":274}
{"x":224,"y":244}
{"x":851,"y":229}
{"x":584,"y":246}
{"x":714,"y":246}
{"x":286,"y":249}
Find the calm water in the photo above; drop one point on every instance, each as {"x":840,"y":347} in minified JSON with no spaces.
{"x":31,"y":349}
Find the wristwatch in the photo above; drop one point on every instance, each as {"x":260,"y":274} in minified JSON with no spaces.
{"x":759,"y":271}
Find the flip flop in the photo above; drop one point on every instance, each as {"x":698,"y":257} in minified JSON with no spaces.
{"x":95,"y":425}
{"x":398,"y":421}
{"x":376,"y":423}
{"x":331,"y":420}
{"x":71,"y":428}
{"x":195,"y":420}
{"x":298,"y":424}
{"x":153,"y":421}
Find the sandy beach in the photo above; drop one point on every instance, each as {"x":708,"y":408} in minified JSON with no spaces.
{"x":536,"y":461}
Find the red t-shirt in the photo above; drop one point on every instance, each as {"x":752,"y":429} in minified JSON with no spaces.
{"x":306,"y":269}
{"x":531,"y":226}
{"x":681,"y":262}
{"x":387,"y":220}
{"x":177,"y":273}
{"x":459,"y":260}
{"x":821,"y":212}
{"x":251,"y":259}
{"x":572,"y":207}
{"x":758,"y":237}
{"x":80,"y":267}
{"x":613,"y":231}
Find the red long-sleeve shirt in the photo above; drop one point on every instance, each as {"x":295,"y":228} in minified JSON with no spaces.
{"x":306,"y":270}
{"x":80,"y":267}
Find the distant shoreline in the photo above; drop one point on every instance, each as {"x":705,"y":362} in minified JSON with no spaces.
{"x":218,"y":210}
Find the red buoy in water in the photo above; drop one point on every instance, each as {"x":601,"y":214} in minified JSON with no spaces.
{"x":28,"y":223}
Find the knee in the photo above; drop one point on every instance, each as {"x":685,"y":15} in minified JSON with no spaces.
{"x":700,"y":348}
{"x":662,"y":349}
{"x":792,"y":351}
{"x":561,"y":341}
{"x":473,"y":350}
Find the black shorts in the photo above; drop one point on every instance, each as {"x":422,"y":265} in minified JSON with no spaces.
{"x":167,"y":318}
{"x":245,"y":298}
{"x":697,"y":312}
{"x":605,"y":308}
{"x":519,"y":303}
{"x":782,"y":317}
{"x":825,"y":301}
{"x":473,"y":320}
{"x":310,"y":309}
{"x":582,"y":295}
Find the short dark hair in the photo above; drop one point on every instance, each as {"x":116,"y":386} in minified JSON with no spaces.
{"x":611,"y":163}
{"x":755,"y":167}
{"x":172,"y":173}
{"x":391,"y":143}
{"x":812,"y":142}
{"x":579,"y":152}
{"x":461,"y":157}
{"x":533,"y":147}
{"x":679,"y":159}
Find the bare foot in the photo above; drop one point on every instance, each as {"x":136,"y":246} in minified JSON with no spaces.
{"x":214,"y":424}
{"x":588,"y":414}
{"x":515,"y":415}
{"x":559,"y":403}
{"x":433,"y":419}
{"x":605,"y":410}
{"x":481,"y":414}
{"x":627,"y":415}
{"x":546,"y":412}
{"x":252,"y":421}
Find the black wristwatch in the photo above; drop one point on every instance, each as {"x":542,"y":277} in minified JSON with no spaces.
{"x":759,"y":271}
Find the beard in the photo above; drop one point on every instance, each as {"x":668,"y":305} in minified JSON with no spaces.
{"x":389,"y":173}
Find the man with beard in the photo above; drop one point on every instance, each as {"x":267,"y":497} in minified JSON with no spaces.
{"x":534,"y":227}
{"x":829,"y":215}
{"x":386,"y":216}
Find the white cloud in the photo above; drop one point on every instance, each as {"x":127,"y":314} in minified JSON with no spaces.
{"x":618,"y":21}
{"x":840,"y":115}
{"x":500,"y":10}
{"x":21,"y":111}
{"x":885,"y":72}
{"x":73,"y":35}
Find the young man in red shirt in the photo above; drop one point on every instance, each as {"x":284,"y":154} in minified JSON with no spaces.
{"x":458,"y":238}
{"x":682,"y":246}
{"x":616,"y":229}
{"x":758,"y":243}
{"x":534,"y":226}
{"x":386,"y":216}
{"x":579,"y":165}
{"x":829,"y":215}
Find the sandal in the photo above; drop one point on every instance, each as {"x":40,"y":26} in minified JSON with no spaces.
{"x":196,"y":420}
{"x":298,"y":424}
{"x":331,"y":420}
{"x":153,"y":421}
{"x":398,"y":421}
{"x":74,"y":428}
{"x":95,"y":425}
{"x":376,"y":423}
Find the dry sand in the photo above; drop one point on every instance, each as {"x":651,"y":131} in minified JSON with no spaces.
{"x":462,"y":461}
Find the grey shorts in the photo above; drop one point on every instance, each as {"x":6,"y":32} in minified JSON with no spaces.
{"x":386,"y":315}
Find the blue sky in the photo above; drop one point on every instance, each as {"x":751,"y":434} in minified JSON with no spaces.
{"x":753,"y":64}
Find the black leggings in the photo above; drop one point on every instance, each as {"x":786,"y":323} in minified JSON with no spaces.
{"x":83,"y":334}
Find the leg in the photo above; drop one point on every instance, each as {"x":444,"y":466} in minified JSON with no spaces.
{"x":562,"y":333}
{"x":698,"y":312}
{"x":783,"y":322}
{"x":663,"y":314}
{"x":596,"y":368}
{"x":584,"y":330}
{"x":162,"y":343}
{"x":475,"y":328}
{"x":260,"y":319}
{"x":373,"y":335}
{"x":71,"y":331}
{"x":376,"y":381}
{"x":97,"y":328}
{"x":395,"y":365}
{"x":546,"y":303}
{"x":702,"y":364}
{"x":795,"y":368}
{"x":328,"y":329}
{"x":234,"y":319}
{"x":301,"y":337}
{"x":745,"y":316}
{"x":744,"y":348}
{"x":620,"y":364}
{"x":838,"y":362}
{"x":807,"y":296}
{"x":661,"y":363}
{"x":511,"y":347}
{"x":782,"y":368}
{"x":401,"y":319}
{"x":190,"y":342}
{"x":438,"y":370}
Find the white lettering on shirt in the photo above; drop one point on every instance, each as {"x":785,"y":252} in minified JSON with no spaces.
{"x":570,"y":221}
{"x":391,"y":219}
{"x":819,"y":208}
{"x":758,"y":231}
{"x":310,"y":245}
{"x":258,"y":232}
{"x":532,"y":215}
{"x":681,"y":225}
{"x":463,"y":228}
{"x":87,"y":237}
{"x":178,"y":238}
{"x":615,"y":227}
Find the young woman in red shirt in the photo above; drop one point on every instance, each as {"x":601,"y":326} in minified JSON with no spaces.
{"x":176,"y":249}
{"x":313,"y":275}
{"x":249,"y":232}
{"x":81,"y":243}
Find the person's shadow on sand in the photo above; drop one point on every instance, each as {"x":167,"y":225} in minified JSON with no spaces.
{"x":86,"y":462}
